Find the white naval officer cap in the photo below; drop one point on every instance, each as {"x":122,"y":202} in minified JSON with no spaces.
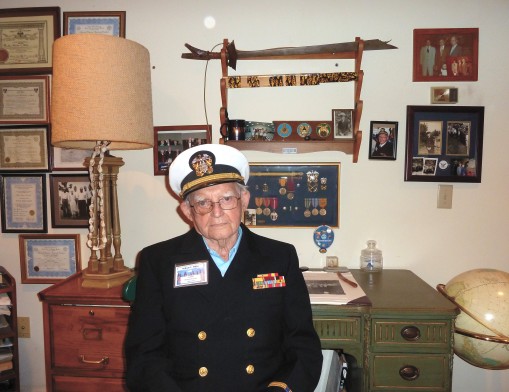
{"x":206,"y":165}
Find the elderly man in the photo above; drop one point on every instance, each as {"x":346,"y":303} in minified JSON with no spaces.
{"x":220,"y":309}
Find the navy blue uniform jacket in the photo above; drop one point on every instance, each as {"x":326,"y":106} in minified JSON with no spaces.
{"x":175,"y":332}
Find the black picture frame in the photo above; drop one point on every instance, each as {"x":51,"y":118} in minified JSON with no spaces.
{"x":444,"y":144}
{"x":70,"y":196}
{"x":388,"y":149}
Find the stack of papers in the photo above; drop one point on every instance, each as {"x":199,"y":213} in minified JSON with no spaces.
{"x":5,"y":299}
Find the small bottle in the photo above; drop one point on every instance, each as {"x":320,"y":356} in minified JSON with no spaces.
{"x":371,"y":258}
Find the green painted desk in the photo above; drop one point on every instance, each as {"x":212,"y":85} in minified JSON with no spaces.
{"x":401,"y":342}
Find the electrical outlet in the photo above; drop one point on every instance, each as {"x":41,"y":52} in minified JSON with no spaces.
{"x":444,"y":199}
{"x":23,"y":327}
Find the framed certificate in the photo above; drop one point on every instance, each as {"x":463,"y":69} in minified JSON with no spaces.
{"x":95,"y":22}
{"x":24,"y":99}
{"x":27,"y":36}
{"x":24,"y":148}
{"x":49,"y":258}
{"x":69,"y":159}
{"x":23,"y":203}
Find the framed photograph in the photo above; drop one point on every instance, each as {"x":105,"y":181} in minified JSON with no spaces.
{"x":95,"y":22}
{"x":293,"y":195}
{"x":444,"y":143}
{"x":70,"y":199}
{"x":169,"y":141}
{"x":24,"y":148}
{"x":444,"y":95}
{"x":24,"y":99}
{"x":23,"y":203}
{"x":342,"y":120}
{"x":383,"y":140}
{"x":69,"y":159}
{"x":49,"y":258}
{"x":27,"y":36}
{"x":445,"y":54}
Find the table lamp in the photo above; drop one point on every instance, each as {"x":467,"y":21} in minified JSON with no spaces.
{"x":101,"y":100}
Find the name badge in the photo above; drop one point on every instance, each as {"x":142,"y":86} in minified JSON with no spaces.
{"x":191,"y":274}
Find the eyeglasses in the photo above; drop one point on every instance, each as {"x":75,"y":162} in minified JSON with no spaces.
{"x":203,"y":207}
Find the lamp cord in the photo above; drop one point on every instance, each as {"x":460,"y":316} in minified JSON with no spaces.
{"x":205,"y":86}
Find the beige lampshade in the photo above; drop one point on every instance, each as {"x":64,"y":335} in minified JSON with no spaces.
{"x":101,"y":90}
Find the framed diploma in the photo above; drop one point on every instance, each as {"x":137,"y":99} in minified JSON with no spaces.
{"x":71,"y":196}
{"x":24,"y":148}
{"x":23,"y":203}
{"x":49,"y":258}
{"x":95,"y":22}
{"x":27,"y":36}
{"x":69,"y":159}
{"x":24,"y":99}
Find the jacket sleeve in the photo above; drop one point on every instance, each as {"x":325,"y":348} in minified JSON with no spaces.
{"x":148,"y":366}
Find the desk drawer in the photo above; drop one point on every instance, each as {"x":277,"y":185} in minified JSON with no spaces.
{"x":344,"y":329}
{"x":419,"y":372}
{"x":427,"y":334}
{"x":88,"y":337}
{"x":88,"y":384}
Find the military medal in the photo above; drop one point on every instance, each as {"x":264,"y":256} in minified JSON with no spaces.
{"x":307,"y":204}
{"x":258,"y":203}
{"x":291,"y":189}
{"x":273,"y":214}
{"x":323,"y":237}
{"x":323,"y":183}
{"x":266,"y":204}
{"x":282,"y":183}
{"x":322,"y":203}
{"x":265,"y":187}
{"x":314,"y":203}
{"x":312,"y":180}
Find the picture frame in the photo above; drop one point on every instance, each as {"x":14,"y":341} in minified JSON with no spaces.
{"x":444,"y":95}
{"x":48,"y":258}
{"x":444,"y":143}
{"x":24,"y":148}
{"x":343,"y":122}
{"x":70,"y":196}
{"x":445,"y":54}
{"x":95,"y":22}
{"x":69,"y":159}
{"x":383,"y":140}
{"x":293,"y":195}
{"x":171,"y":140}
{"x":23,"y":203}
{"x":24,"y":99}
{"x":27,"y":39}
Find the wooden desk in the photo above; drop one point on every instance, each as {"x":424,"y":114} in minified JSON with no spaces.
{"x":402,"y":342}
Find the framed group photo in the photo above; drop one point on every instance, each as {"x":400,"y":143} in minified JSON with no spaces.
{"x":170,"y":141}
{"x":49,"y":258}
{"x":446,"y":54}
{"x":95,"y":22}
{"x":383,"y":140}
{"x":444,"y":144}
{"x":70,"y":196}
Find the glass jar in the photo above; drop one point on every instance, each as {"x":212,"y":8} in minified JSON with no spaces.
{"x":371,"y":258}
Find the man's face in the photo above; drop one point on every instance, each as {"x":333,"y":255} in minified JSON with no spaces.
{"x":218,"y":224}
{"x":382,"y":138}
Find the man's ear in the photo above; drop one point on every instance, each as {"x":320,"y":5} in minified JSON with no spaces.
{"x":186,"y":210}
{"x":244,"y":197}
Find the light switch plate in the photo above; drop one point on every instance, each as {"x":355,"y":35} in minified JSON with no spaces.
{"x":444,"y":199}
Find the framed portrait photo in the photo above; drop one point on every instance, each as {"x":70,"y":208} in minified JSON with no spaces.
{"x":23,"y":203}
{"x":24,"y":99}
{"x":383,"y":140}
{"x":70,"y":199}
{"x":49,"y":258}
{"x":169,"y":141}
{"x":27,"y":39}
{"x":444,"y":143}
{"x":446,"y":54}
{"x":342,"y":120}
{"x":95,"y":22}
{"x":24,"y":148}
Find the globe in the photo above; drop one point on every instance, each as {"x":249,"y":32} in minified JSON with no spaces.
{"x":482,"y":327}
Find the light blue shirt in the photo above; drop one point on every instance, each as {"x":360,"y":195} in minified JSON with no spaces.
{"x":221,"y":264}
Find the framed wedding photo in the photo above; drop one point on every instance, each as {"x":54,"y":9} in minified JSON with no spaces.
{"x":70,"y":199}
{"x":444,"y":143}
{"x":49,"y":258}
{"x":27,"y":39}
{"x":445,"y":55}
{"x":342,"y":119}
{"x":383,"y":140}
{"x":169,"y":141}
{"x":24,"y":99}
{"x":95,"y":22}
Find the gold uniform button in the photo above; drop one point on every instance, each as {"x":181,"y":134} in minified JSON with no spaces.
{"x":203,"y":371}
{"x":250,"y":369}
{"x":250,"y":332}
{"x":202,"y":335}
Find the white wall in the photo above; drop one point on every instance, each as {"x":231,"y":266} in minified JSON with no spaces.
{"x":376,"y":203}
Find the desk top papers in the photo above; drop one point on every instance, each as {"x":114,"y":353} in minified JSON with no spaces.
{"x":325,"y":288}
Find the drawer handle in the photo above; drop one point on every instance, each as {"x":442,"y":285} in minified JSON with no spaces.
{"x":104,"y":361}
{"x":411,"y":333}
{"x":409,"y":373}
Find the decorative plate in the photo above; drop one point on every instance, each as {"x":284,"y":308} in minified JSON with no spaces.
{"x":284,"y":130}
{"x":323,"y":237}
{"x":304,"y":129}
{"x":323,"y":130}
